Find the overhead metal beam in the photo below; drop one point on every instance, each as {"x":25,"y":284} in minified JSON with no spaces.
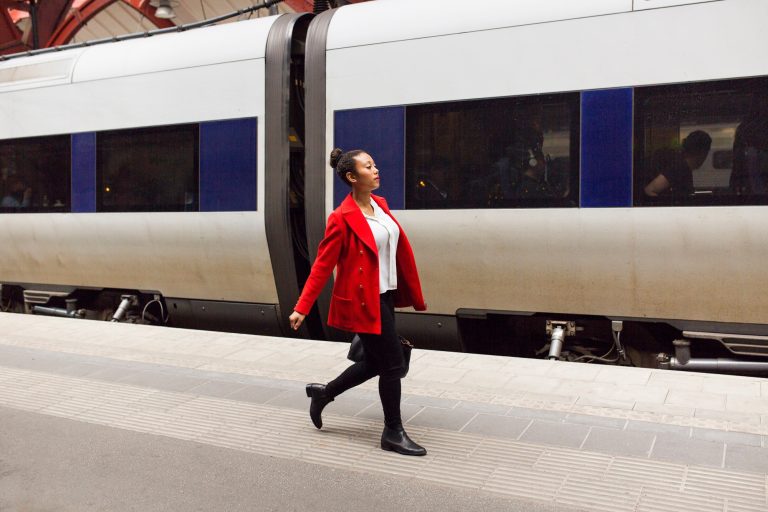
{"x":143,"y":7}
{"x":19,"y":5}
{"x":308,"y":5}
{"x":47,"y":15}
{"x":33,"y":16}
{"x":88,"y":10}
{"x":10,"y":35}
{"x":300,"y":5}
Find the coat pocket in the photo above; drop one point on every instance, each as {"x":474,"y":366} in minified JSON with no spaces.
{"x":341,"y":312}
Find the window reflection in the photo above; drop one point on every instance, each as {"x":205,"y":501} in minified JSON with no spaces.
{"x":148,"y":169}
{"x":700,"y":144}
{"x":35,"y":174}
{"x":497,"y":153}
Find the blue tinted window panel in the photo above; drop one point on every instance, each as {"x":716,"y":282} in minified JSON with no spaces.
{"x":606,"y":148}
{"x":84,"y":172}
{"x":228,"y":165}
{"x":381,"y":133}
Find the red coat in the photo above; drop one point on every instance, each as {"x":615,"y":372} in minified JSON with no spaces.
{"x":349,"y":245}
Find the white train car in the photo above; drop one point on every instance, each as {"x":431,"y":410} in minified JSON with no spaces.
{"x":138,"y":172}
{"x":517,"y":144}
{"x":437,"y":91}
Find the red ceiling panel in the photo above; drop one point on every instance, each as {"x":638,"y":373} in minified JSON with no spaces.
{"x":60,"y":20}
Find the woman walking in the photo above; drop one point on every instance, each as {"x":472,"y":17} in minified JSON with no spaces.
{"x":376,"y":271}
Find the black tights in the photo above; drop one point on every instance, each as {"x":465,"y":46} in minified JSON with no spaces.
{"x":383,"y":357}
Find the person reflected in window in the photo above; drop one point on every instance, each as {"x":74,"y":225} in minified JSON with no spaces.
{"x":531,"y":164}
{"x":19,"y":195}
{"x":750,"y":151}
{"x":675,"y":180}
{"x":430,"y":186}
{"x":506,"y":172}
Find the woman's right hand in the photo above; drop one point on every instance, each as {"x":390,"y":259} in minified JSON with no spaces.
{"x":296,"y":319}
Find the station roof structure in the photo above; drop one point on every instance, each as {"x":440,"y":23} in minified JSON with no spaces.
{"x":59,"y":22}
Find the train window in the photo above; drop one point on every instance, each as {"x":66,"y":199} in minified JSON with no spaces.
{"x":35,"y":174}
{"x":493,"y":153}
{"x":702,"y":143}
{"x":148,"y":169}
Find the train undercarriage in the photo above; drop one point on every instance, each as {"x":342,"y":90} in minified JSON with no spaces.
{"x":130,"y":306}
{"x":583,"y":339}
{"x":660,"y":344}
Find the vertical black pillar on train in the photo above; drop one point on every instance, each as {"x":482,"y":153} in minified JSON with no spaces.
{"x":284,"y":159}
{"x":316,"y":157}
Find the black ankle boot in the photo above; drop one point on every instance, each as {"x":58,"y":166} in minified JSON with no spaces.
{"x":320,"y":399}
{"x":396,"y":440}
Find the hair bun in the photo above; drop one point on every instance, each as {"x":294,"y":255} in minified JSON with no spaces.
{"x":335,"y":157}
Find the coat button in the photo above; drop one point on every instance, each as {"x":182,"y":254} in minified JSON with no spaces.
{"x":361,"y":253}
{"x":361,"y":287}
{"x":362,"y":304}
{"x":361,"y":269}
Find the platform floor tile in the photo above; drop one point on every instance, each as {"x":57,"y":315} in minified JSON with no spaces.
{"x":597,"y":494}
{"x":746,"y":458}
{"x":496,"y":426}
{"x":587,"y":419}
{"x":676,"y":448}
{"x":447,"y":419}
{"x":557,"y":434}
{"x":618,"y":442}
{"x":709,"y":434}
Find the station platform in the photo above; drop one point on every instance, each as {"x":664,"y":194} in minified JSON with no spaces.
{"x":500,"y":432}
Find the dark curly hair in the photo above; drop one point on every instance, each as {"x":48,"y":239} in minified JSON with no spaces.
{"x":343,"y":163}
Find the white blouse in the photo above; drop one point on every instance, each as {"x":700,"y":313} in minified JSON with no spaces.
{"x":386,"y":234}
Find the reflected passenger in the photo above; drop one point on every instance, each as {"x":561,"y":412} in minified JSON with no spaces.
{"x":19,"y":195}
{"x":375,"y":271}
{"x":532,"y":165}
{"x":675,"y":180}
{"x":430,"y":185}
{"x":507,"y":172}
{"x":750,"y":151}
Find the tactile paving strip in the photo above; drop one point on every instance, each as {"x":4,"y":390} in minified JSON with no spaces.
{"x":537,"y":472}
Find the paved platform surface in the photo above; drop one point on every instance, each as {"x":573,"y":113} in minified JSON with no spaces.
{"x":62,"y":465}
{"x":569,"y":436}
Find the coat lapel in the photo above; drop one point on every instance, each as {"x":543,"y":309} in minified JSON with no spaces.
{"x":357,"y":222}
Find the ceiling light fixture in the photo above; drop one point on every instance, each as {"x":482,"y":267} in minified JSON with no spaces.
{"x":164,"y":8}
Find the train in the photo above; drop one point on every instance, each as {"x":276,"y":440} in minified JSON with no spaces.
{"x":182,"y":179}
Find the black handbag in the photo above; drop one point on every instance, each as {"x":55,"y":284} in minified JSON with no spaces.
{"x":357,"y":354}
